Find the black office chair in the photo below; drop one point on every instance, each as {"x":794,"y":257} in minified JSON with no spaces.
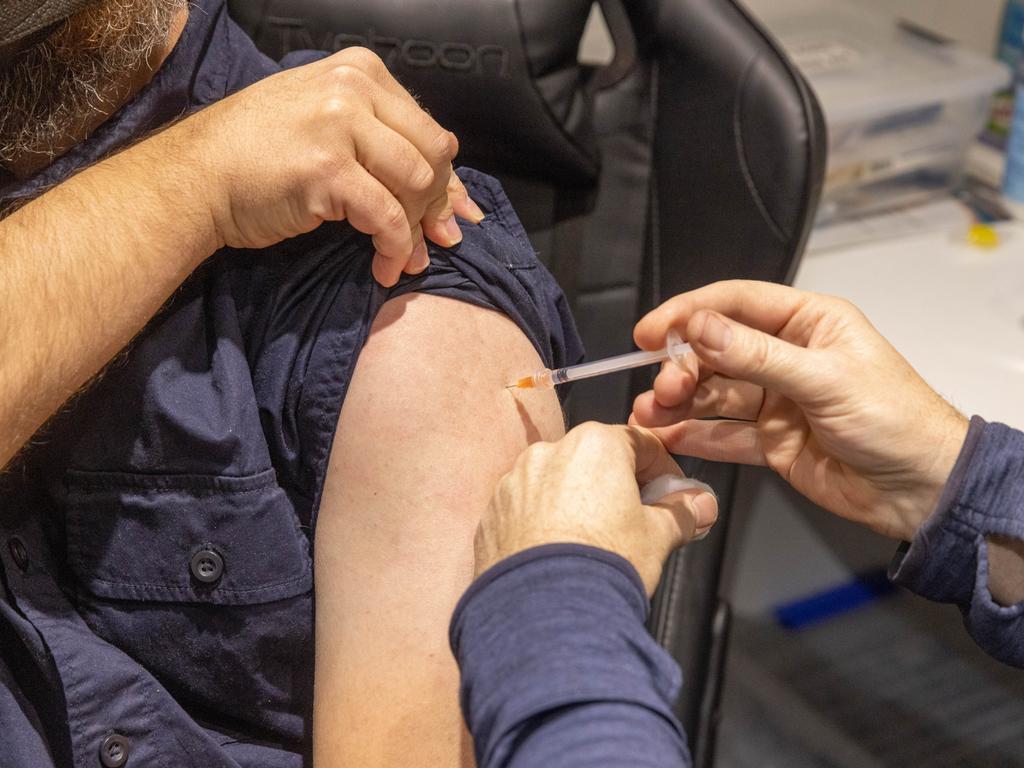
{"x":696,"y":155}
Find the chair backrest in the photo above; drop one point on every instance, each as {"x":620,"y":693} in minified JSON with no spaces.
{"x":696,"y":155}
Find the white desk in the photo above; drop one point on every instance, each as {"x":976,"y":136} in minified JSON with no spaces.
{"x":954,"y":310}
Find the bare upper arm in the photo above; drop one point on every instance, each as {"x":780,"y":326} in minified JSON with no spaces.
{"x":426,"y":431}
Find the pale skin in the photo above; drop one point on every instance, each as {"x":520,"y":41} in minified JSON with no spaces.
{"x":388,"y":592}
{"x":412,"y":469}
{"x":804,"y":384}
{"x":394,"y":545}
{"x":796,"y":381}
{"x":109,"y":246}
{"x":585,"y":489}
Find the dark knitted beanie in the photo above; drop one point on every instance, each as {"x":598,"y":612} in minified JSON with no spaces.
{"x":23,"y":22}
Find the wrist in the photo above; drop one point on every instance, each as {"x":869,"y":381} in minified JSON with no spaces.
{"x":194,"y":185}
{"x":944,"y":443}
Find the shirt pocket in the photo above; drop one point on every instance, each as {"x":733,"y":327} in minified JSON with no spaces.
{"x":206,"y":581}
{"x":185,"y":538}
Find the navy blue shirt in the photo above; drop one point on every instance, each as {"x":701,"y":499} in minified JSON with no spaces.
{"x":155,"y":540}
{"x":558,"y":669}
{"x":947,"y":560}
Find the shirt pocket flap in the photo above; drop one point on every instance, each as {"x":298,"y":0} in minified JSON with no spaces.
{"x":185,"y":538}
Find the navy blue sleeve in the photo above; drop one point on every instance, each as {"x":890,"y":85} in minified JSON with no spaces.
{"x":557,"y":668}
{"x":948,"y":559}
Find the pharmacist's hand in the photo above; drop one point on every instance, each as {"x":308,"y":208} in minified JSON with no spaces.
{"x":585,"y":489}
{"x":335,"y":139}
{"x":804,"y":384}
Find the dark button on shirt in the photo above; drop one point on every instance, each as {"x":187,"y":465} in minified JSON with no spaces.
{"x":18,"y":552}
{"x":207,"y":566}
{"x":114,"y":751}
{"x":162,"y":589}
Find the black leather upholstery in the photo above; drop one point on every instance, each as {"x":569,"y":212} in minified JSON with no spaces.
{"x":744,"y":200}
{"x":503,"y":75}
{"x":697,"y":155}
{"x":739,"y":155}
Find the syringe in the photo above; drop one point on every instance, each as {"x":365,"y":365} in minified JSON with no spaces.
{"x":675,"y":349}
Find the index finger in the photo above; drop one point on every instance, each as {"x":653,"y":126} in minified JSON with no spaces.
{"x":764,"y":306}
{"x":650,"y":459}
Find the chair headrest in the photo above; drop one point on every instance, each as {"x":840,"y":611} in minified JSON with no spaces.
{"x":503,"y":75}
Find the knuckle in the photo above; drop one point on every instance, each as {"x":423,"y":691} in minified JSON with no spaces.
{"x":322,"y":207}
{"x":393,"y":216}
{"x":439,"y":147}
{"x":421,"y":176}
{"x":363,"y":58}
{"x":842,"y":305}
{"x":441,"y":208}
{"x":852,"y":311}
{"x":535,"y":452}
{"x":348,"y":78}
{"x":529,"y":464}
{"x":587,"y":429}
{"x":835,"y":307}
{"x":505,"y":481}
{"x":455,"y":186}
{"x":833,"y":300}
{"x":337,"y":107}
{"x":591,"y":434}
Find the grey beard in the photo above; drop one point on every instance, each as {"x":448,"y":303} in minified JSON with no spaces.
{"x":69,"y":81}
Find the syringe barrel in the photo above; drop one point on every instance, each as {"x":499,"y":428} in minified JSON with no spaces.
{"x":675,"y":349}
{"x":611,"y":365}
{"x":558,"y":376}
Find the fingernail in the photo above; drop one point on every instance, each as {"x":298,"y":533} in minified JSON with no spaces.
{"x":716,"y":334}
{"x":451,"y":227}
{"x":476,"y":215}
{"x":706,"y":506}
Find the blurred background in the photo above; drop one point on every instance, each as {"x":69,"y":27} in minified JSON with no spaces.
{"x":827,"y":666}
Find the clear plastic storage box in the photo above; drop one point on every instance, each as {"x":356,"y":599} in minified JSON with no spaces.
{"x":901,"y":107}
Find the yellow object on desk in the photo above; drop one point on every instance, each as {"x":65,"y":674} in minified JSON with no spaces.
{"x":983,"y":236}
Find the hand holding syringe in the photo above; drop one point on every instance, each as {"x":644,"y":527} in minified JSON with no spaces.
{"x":675,"y":349}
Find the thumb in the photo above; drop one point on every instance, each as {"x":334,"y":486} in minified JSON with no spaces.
{"x":743,"y":353}
{"x":692,"y":504}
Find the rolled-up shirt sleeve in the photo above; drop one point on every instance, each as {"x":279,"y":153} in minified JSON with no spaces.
{"x":947,"y":560}
{"x":558,"y":669}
